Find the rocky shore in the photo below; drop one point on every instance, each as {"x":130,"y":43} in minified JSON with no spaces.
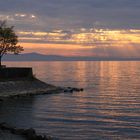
{"x":30,"y":87}
{"x":15,"y":82}
{"x":24,"y":87}
{"x":8,"y":132}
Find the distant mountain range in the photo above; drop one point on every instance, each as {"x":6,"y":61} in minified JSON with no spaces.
{"x":42,"y":57}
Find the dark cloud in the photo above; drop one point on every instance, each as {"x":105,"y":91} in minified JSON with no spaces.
{"x":74,"y":13}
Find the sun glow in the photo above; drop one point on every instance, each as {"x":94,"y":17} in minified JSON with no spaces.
{"x":89,"y":36}
{"x":101,"y":41}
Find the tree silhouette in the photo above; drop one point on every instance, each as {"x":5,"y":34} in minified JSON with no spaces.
{"x":8,"y":40}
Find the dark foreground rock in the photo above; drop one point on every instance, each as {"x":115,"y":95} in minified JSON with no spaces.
{"x":27,"y":134}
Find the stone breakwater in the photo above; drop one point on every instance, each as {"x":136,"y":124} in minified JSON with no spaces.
{"x":30,"y":87}
{"x":16,"y":81}
{"x":26,"y":87}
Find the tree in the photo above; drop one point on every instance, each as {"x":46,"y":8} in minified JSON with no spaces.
{"x":8,"y":40}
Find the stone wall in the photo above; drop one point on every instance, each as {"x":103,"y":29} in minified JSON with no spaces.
{"x":14,"y":73}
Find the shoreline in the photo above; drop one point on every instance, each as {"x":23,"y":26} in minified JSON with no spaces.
{"x":30,"y":87}
{"x":18,"y":88}
{"x":26,"y":87}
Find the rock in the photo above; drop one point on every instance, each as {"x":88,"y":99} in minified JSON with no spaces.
{"x":65,"y":90}
{"x":4,"y":126}
{"x":76,"y":89}
{"x":18,"y":131}
{"x":71,"y":89}
{"x":82,"y":89}
{"x":1,"y":100}
{"x":39,"y":137}
{"x":29,"y":134}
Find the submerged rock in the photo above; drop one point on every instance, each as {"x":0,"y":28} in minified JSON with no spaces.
{"x":71,"y":89}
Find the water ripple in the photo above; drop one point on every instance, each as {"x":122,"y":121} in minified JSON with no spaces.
{"x":108,"y":109}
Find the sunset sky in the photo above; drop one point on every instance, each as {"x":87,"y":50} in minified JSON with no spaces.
{"x":101,"y":28}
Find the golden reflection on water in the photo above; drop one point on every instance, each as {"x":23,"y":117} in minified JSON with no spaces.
{"x":117,"y":83}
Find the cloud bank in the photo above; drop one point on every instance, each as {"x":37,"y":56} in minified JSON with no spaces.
{"x":66,"y":14}
{"x":84,"y":27}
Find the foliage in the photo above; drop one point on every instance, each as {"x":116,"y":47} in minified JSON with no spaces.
{"x":8,"y":40}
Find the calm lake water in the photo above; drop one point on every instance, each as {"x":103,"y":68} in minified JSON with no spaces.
{"x":108,"y":109}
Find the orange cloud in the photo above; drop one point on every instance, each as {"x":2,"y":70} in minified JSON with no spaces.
{"x":53,"y":46}
{"x":97,"y":42}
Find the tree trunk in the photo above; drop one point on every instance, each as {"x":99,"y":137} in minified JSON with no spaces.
{"x":0,"y":61}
